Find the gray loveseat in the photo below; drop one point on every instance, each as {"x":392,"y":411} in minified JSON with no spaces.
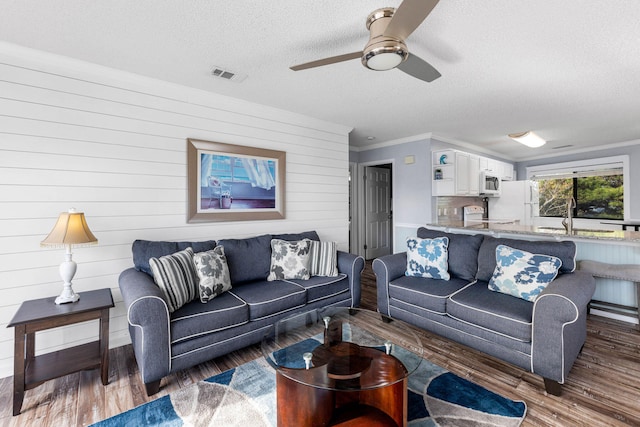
{"x":166,"y":342}
{"x":543,"y":337}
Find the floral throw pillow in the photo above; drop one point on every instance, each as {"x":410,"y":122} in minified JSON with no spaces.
{"x":213,"y":271}
{"x":522,"y":274}
{"x":428,"y":258}
{"x":289,"y":260}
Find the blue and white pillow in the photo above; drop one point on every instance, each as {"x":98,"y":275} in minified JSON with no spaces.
{"x":522,"y":274}
{"x":428,"y":258}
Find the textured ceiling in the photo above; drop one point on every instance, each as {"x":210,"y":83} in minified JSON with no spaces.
{"x":569,"y":70}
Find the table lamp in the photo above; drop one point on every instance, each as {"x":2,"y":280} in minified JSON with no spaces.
{"x":70,"y":230}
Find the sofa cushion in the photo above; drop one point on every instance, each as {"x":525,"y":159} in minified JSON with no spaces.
{"x":176,"y":277}
{"x":269,"y":298}
{"x":428,"y":258}
{"x":500,"y":313}
{"x":289,"y":260}
{"x":323,"y":258}
{"x":213,"y":273}
{"x":565,"y":250}
{"x":321,"y":287}
{"x":143,"y":250}
{"x":248,"y":259}
{"x":311,"y":235}
{"x":197,"y":319}
{"x":522,"y":274}
{"x":430,"y":294}
{"x":463,"y":251}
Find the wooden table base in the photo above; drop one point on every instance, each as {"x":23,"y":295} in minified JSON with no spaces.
{"x":302,"y":405}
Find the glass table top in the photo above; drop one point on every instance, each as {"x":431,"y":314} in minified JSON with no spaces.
{"x":342,"y":349}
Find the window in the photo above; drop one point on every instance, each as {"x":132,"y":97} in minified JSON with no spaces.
{"x":597,"y":188}
{"x":236,"y":169}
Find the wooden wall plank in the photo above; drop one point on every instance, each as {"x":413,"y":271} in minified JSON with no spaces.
{"x":114,"y":145}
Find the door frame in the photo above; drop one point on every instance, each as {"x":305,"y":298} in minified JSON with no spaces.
{"x":359,"y":223}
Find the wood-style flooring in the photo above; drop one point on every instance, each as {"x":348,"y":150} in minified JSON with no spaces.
{"x":603,"y":388}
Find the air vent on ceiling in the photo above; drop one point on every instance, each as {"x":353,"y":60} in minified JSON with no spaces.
{"x":224,"y":74}
{"x":562,"y":146}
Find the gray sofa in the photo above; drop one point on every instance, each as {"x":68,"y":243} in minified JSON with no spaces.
{"x":166,"y":342}
{"x":543,"y":337}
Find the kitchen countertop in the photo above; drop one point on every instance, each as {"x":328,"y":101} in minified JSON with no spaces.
{"x":558,"y":233}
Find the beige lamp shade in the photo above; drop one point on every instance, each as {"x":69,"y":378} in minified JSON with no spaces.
{"x":70,"y":229}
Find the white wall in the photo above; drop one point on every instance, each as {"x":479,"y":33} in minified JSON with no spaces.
{"x":113,"y":145}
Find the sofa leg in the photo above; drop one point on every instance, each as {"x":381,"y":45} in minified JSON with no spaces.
{"x":386,"y":319}
{"x":152,"y":387}
{"x":552,"y":387}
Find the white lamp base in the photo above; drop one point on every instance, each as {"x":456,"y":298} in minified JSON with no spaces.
{"x":67,"y":296}
{"x":67,"y":271}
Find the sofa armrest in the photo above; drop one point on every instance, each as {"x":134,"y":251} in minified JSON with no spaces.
{"x":559,"y":324}
{"x":352,"y":265}
{"x":387,"y":268}
{"x":148,"y":318}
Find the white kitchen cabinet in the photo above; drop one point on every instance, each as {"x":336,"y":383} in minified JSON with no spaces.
{"x":455,"y":173}
{"x":507,"y":171}
{"x":474,"y":175}
{"x":503,"y":170}
{"x":462,"y":173}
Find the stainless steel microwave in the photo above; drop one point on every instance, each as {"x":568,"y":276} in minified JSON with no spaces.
{"x":489,"y":183}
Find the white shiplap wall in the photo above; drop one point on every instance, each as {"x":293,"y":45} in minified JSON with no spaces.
{"x":113,"y":145}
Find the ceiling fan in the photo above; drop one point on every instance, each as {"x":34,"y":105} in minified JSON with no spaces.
{"x":386,"y":49}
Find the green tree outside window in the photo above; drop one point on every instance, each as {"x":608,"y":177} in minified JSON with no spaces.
{"x":597,"y":197}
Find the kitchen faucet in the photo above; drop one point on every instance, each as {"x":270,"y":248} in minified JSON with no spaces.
{"x":567,"y":222}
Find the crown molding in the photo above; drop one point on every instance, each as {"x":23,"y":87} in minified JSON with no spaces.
{"x":392,"y":142}
{"x":580,"y":150}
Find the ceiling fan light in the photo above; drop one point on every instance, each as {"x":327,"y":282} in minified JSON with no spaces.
{"x":384,"y":55}
{"x":528,"y":138}
{"x":384,"y":61}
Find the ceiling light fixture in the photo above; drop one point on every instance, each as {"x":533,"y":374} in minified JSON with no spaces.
{"x":528,"y":138}
{"x":382,"y":52}
{"x":385,"y":55}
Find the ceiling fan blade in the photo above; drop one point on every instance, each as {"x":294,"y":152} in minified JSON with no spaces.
{"x":327,"y":61}
{"x":408,"y":16}
{"x":419,"y":68}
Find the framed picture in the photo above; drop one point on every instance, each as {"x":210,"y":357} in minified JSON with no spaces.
{"x":234,"y":183}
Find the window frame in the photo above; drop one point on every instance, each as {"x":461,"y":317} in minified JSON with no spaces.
{"x":589,"y":165}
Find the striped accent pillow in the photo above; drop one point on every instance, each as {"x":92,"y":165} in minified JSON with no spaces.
{"x":323,"y":259}
{"x":175,"y":274}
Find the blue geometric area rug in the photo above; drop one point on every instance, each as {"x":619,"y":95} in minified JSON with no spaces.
{"x":245,"y":397}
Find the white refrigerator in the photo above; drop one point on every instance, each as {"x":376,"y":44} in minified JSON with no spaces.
{"x":518,"y":201}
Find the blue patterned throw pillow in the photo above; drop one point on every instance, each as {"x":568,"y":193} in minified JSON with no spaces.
{"x":428,"y":258}
{"x":522,"y":274}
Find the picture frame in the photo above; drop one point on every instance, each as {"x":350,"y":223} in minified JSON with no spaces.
{"x":227,"y":182}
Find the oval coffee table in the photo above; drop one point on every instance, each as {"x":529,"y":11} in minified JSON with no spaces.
{"x":341,"y":367}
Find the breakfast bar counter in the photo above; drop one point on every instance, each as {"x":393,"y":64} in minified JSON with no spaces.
{"x":543,"y":232}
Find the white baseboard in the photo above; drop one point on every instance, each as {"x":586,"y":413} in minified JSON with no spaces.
{"x":624,"y":318}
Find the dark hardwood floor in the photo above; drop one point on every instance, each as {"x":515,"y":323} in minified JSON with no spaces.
{"x":603,"y":388}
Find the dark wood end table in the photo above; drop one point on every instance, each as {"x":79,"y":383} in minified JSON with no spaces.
{"x":30,"y":370}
